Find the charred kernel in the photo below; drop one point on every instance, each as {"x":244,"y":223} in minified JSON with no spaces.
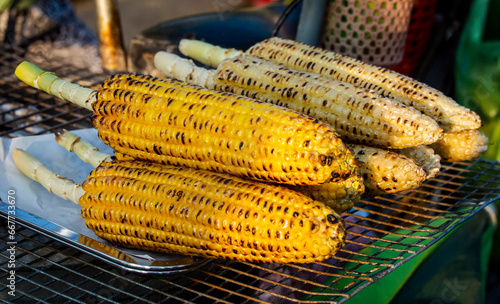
{"x":331,"y":219}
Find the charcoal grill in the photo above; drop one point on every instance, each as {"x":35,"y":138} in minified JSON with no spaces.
{"x":383,"y":233}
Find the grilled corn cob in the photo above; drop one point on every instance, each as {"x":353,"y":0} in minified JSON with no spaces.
{"x":425,"y":157}
{"x":191,"y":212}
{"x":387,"y":172}
{"x":450,"y":115}
{"x":170,"y":122}
{"x":461,"y":146}
{"x":358,"y":115}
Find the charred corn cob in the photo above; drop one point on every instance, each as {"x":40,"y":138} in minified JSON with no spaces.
{"x":425,"y":157}
{"x":461,"y":146}
{"x":387,"y":172}
{"x":170,"y":122}
{"x":448,"y":113}
{"x":186,"y":211}
{"x":383,"y":172}
{"x":358,"y":115}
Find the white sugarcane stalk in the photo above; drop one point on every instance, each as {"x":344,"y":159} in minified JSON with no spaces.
{"x":206,"y":53}
{"x":85,"y":151}
{"x":54,"y":183}
{"x":50,"y":83}
{"x":183,"y":69}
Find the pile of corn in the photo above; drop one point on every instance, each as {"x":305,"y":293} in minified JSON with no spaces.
{"x":257,"y":165}
{"x":197,"y":172}
{"x":377,"y":112}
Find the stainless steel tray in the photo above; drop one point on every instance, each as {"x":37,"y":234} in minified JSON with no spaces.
{"x":116,"y":256}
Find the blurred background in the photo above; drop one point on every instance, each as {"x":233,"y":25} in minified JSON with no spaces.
{"x":137,"y":16}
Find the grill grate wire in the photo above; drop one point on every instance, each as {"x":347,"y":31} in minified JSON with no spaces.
{"x":383,"y":233}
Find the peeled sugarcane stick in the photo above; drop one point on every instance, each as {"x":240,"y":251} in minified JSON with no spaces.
{"x":359,"y":115}
{"x":461,"y":146}
{"x":185,"y":211}
{"x":85,"y":151}
{"x":451,"y":116}
{"x":171,"y":122}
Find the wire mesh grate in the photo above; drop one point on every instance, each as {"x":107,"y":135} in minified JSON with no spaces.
{"x":383,"y":232}
{"x":27,"y":111}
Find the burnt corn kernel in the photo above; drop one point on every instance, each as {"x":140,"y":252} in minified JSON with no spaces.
{"x":156,"y":207}
{"x":170,"y":122}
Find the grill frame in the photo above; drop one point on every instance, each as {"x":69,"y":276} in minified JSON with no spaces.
{"x":407,"y":223}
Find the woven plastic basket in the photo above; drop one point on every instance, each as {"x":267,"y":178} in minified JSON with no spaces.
{"x":373,"y":31}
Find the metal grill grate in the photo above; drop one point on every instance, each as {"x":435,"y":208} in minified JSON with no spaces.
{"x":27,"y":111}
{"x":383,"y":233}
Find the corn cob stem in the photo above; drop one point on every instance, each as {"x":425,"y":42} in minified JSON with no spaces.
{"x":206,"y":53}
{"x":85,"y":151}
{"x":50,"y":83}
{"x":54,"y":183}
